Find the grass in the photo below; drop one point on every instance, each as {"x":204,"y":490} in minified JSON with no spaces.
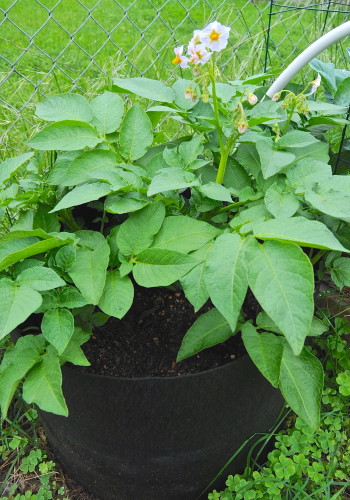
{"x":69,"y":45}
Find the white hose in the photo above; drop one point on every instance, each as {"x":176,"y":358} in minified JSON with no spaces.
{"x":305,"y":57}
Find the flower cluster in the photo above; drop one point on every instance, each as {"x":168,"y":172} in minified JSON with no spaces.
{"x":212,"y":38}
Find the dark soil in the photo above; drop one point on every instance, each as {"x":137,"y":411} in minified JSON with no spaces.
{"x":146,"y":341}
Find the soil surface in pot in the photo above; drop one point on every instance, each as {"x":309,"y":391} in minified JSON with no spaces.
{"x":146,"y":341}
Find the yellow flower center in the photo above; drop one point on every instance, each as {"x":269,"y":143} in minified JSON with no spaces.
{"x":214,"y":35}
{"x":177,"y":60}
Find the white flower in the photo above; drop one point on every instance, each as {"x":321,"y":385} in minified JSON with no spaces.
{"x":180,"y":59}
{"x":315,"y":84}
{"x":195,"y":40}
{"x":198,"y":53}
{"x":275,"y":97}
{"x":252,"y":98}
{"x":215,"y":36}
{"x":242,"y":127}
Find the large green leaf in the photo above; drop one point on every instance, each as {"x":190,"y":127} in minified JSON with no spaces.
{"x":340,"y":272}
{"x":125,"y":203}
{"x":301,"y":383}
{"x":184,"y":234}
{"x":73,"y":353}
{"x":43,"y":385}
{"x":226,"y":277}
{"x":108,"y":109}
{"x":89,"y":269}
{"x":83,"y":194}
{"x":296,"y":139}
{"x":280,"y":202}
{"x":282,"y":279}
{"x":216,"y":191}
{"x":117,"y":296}
{"x":136,"y":133}
{"x":65,"y":136}
{"x":16,"y":305}
{"x":304,"y":232}
{"x":209,"y":329}
{"x":57,"y":327}
{"x":327,"y":71}
{"x":62,"y":107}
{"x":80,"y":168}
{"x":265,"y":350}
{"x":137,"y":232}
{"x":145,"y":87}
{"x":193,"y":283}
{"x":159,"y":267}
{"x":316,"y":151}
{"x":306,"y":172}
{"x":40,"y":278}
{"x":9,"y":166}
{"x":342,"y":95}
{"x":331,"y":196}
{"x":272,"y":161}
{"x":61,"y":167}
{"x":168,"y":179}
{"x":16,"y":364}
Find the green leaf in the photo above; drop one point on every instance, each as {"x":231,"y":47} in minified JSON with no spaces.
{"x":193,"y":283}
{"x":73,"y":352}
{"x":331,"y":196}
{"x":272,"y":161}
{"x":301,"y":383}
{"x":16,"y":305}
{"x":108,"y":109}
{"x":117,"y":296}
{"x":327,"y":71}
{"x":209,"y":329}
{"x":57,"y":326}
{"x":342,"y":95}
{"x":65,"y":257}
{"x":248,"y":157}
{"x":216,"y":191}
{"x":265,"y":350}
{"x":83,"y":194}
{"x":61,"y":167}
{"x":46,"y":221}
{"x":145,"y":87}
{"x":43,"y":385}
{"x":340,"y":272}
{"x":306,"y":172}
{"x":179,"y":87}
{"x":136,"y":133}
{"x":281,"y":277}
{"x":125,"y":203}
{"x":299,"y":230}
{"x":40,"y":279}
{"x":159,"y":267}
{"x":173,"y":158}
{"x":253,"y":214}
{"x":168,"y":179}
{"x":62,"y":107}
{"x":326,"y":108}
{"x":16,"y":364}
{"x":65,"y":136}
{"x":279,"y":202}
{"x":226,"y":277}
{"x":265,"y":322}
{"x":190,"y":150}
{"x":267,"y":112}
{"x":26,"y":264}
{"x":89,"y":269}
{"x":81,"y":167}
{"x":184,"y":234}
{"x":9,"y":166}
{"x":317,"y":151}
{"x":296,"y":139}
{"x":137,"y":232}
{"x":70,"y":297}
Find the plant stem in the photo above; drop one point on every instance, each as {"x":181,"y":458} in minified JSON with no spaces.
{"x":215,"y":104}
{"x":224,"y":157}
{"x":285,"y":128}
{"x":317,"y":257}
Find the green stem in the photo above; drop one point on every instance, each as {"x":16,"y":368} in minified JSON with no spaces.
{"x":317,"y":257}
{"x":224,"y":157}
{"x":289,"y":119}
{"x":216,"y":107}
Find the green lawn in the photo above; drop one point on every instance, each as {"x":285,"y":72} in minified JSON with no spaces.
{"x":45,"y":50}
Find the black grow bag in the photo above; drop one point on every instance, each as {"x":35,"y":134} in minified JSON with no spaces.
{"x":159,"y":438}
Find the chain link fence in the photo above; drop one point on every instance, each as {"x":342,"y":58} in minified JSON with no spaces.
{"x":53,"y":46}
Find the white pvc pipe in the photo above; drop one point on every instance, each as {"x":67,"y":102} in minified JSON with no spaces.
{"x":305,"y":57}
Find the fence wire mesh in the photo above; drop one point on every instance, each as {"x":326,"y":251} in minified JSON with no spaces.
{"x":53,"y":46}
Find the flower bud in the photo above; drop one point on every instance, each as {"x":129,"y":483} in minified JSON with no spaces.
{"x":252,"y":98}
{"x":188,"y":94}
{"x":275,"y":97}
{"x":242,"y":127}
